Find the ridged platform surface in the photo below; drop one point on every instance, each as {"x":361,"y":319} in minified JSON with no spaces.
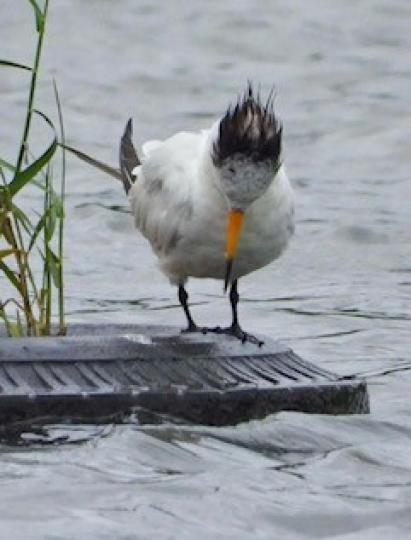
{"x":98,"y":371}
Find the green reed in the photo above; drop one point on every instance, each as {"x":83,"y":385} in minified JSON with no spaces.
{"x":27,"y":240}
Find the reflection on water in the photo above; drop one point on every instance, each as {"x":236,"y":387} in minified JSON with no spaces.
{"x":340,"y":296}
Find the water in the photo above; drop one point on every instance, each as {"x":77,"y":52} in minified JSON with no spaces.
{"x":339,"y":296}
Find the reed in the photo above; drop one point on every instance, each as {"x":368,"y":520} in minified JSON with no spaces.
{"x":29,"y":241}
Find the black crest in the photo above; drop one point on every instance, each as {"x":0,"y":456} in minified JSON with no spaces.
{"x":249,"y":128}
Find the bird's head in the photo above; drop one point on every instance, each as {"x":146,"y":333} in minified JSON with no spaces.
{"x":247,"y":155}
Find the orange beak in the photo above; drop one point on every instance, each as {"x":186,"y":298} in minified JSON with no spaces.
{"x":235,"y":226}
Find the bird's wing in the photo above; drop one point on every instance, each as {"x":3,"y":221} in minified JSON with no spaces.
{"x":162,"y":197}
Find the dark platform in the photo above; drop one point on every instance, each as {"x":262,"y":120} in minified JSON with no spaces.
{"x":98,"y":371}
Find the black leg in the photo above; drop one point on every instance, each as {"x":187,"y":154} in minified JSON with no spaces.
{"x":234,"y":299}
{"x":235,"y":328}
{"x":183,"y":297}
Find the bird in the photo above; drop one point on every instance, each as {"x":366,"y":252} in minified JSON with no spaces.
{"x":213,"y":204}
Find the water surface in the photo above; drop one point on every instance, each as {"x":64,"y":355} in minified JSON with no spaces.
{"x":340,"y":296}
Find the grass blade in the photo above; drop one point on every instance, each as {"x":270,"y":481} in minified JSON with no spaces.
{"x":53,"y":263}
{"x":61,"y":216}
{"x":21,"y":178}
{"x":11,"y":276}
{"x":37,"y":229}
{"x":38,"y":15}
{"x":41,"y":24}
{"x":94,"y":162}
{"x":12,"y":328}
{"x":3,"y":315}
{"x":7,"y":230}
{"x":47,"y":221}
{"x":19,"y":325}
{"x":9,"y":63}
{"x":47,"y":259}
{"x":6,"y":165}
{"x":22,"y":218}
{"x":6,"y":252}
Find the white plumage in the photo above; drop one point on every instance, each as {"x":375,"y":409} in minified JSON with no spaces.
{"x":214,"y":204}
{"x":179,"y":208}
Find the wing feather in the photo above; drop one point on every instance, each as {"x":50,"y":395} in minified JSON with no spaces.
{"x":161,"y":199}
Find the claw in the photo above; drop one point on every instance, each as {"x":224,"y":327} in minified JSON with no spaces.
{"x":193,"y":328}
{"x":236,"y":331}
{"x":216,"y":329}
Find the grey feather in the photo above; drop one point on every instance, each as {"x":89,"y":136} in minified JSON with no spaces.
{"x":128,"y":157}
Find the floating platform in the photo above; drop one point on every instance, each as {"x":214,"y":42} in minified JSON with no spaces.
{"x":98,"y":373}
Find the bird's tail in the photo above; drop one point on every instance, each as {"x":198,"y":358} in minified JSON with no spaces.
{"x":128,"y":157}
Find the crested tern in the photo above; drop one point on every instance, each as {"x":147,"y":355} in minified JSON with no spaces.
{"x":214,"y":204}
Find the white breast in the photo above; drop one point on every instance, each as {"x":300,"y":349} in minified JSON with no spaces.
{"x":268,"y":227}
{"x":180,"y":211}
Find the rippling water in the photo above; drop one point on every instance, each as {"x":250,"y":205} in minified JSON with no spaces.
{"x":340,"y":296}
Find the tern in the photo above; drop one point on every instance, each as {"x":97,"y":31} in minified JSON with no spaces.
{"x":213,"y":204}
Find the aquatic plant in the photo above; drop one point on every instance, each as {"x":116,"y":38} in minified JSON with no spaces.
{"x":31,"y":244}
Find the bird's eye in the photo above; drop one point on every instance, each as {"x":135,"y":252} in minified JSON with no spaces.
{"x":231,"y":169}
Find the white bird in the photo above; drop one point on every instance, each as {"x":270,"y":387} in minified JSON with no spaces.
{"x":214,"y":204}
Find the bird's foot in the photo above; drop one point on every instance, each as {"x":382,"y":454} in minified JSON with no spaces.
{"x":193,"y":328}
{"x":213,"y":330}
{"x":235,"y":330}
